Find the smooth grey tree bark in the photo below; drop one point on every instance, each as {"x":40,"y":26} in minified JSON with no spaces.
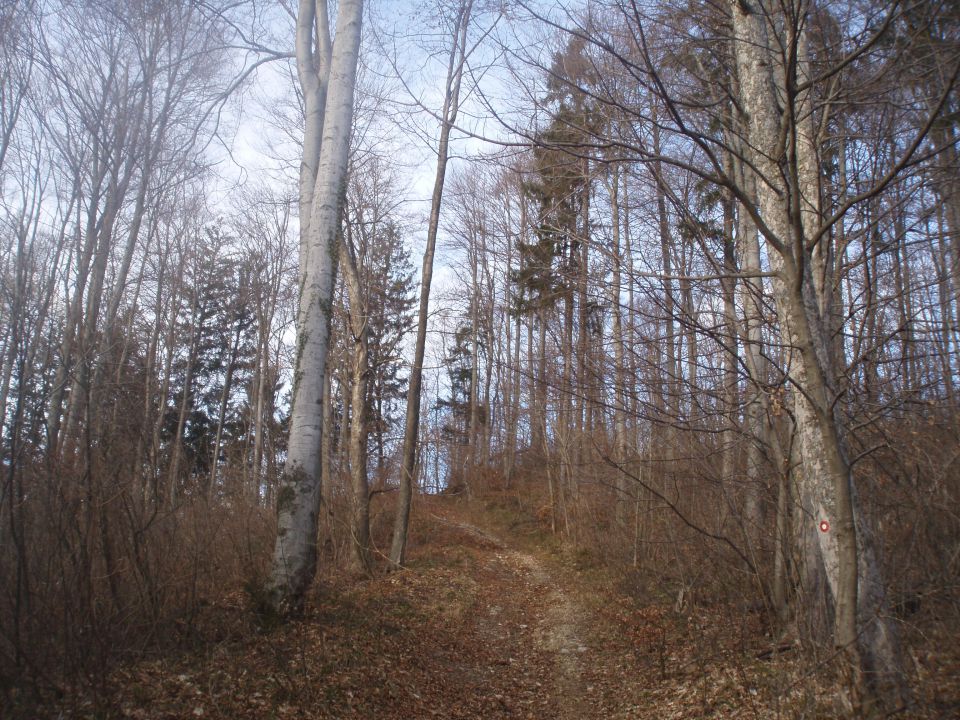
{"x":298,"y":500}
{"x":780,"y":154}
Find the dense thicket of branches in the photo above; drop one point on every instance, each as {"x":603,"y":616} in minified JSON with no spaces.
{"x":715,"y":302}
{"x":147,"y":329}
{"x":648,"y":194}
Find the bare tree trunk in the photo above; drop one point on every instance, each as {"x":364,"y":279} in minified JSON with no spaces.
{"x":670,"y":394}
{"x":752,"y":296}
{"x":581,"y":383}
{"x":153,"y":402}
{"x":536,"y":359}
{"x":948,"y":189}
{"x":360,"y":373}
{"x":473,"y":435}
{"x":513,"y":343}
{"x":260,"y":406}
{"x":619,"y":394}
{"x":186,"y":399}
{"x":689,"y":322}
{"x":411,"y":430}
{"x":169,"y":343}
{"x":781,"y":540}
{"x":295,"y":552}
{"x":222,"y":414}
{"x":948,"y":320}
{"x":631,"y":337}
{"x":567,"y":432}
{"x":326,"y":447}
{"x":492,"y":353}
{"x":728,"y":287}
{"x":830,"y":505}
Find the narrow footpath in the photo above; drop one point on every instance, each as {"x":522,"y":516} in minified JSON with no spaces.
{"x":478,"y":626}
{"x":530,"y":625}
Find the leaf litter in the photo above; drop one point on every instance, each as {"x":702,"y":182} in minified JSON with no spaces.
{"x":475,"y":628}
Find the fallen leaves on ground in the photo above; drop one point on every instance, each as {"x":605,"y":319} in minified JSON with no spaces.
{"x":475,"y":628}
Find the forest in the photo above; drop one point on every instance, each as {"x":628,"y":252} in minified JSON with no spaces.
{"x":479,"y":358}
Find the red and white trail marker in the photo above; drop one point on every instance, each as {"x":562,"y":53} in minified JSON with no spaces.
{"x":824,"y":526}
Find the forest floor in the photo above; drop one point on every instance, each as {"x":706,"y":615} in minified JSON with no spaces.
{"x":482,"y":624}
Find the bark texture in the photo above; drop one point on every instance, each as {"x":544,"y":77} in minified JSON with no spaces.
{"x":787,"y":214}
{"x":360,"y":374}
{"x":298,"y":500}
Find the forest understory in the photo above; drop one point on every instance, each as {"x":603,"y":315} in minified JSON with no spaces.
{"x":494,"y":617}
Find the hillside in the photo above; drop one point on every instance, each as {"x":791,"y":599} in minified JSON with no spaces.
{"x":649,"y":310}
{"x":492,"y":619}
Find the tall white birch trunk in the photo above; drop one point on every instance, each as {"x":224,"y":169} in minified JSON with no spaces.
{"x":298,"y":500}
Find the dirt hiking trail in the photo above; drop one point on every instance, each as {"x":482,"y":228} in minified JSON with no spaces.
{"x":534,"y":623}
{"x":475,"y":627}
{"x":482,"y":623}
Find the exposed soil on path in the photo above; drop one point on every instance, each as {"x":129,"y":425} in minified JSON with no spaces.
{"x":478,"y":626}
{"x":535,"y":624}
{"x":474,"y":628}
